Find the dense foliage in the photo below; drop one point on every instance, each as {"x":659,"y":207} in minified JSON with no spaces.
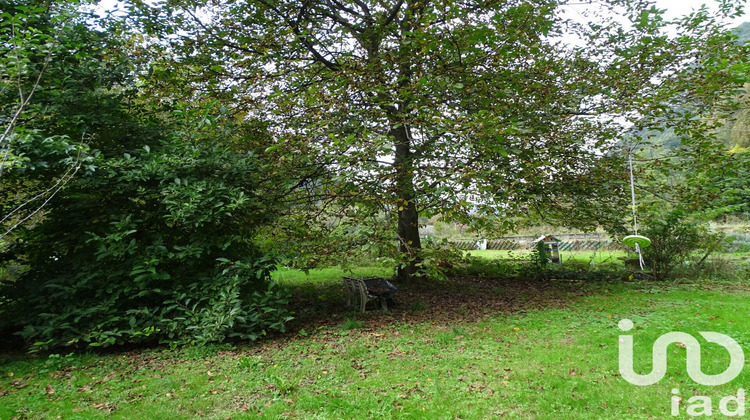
{"x":156,"y":245}
{"x":675,"y":238}
{"x":150,"y":236}
{"x":418,"y":108}
{"x":156,"y":168}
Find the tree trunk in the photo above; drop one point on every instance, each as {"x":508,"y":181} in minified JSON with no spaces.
{"x":408,"y":216}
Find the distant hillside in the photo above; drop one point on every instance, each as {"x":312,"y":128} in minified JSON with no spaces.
{"x":734,"y":133}
{"x":736,"y":129}
{"x":743,"y":33}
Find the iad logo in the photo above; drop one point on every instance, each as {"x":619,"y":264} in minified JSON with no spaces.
{"x":693,"y":348}
{"x":698,"y":405}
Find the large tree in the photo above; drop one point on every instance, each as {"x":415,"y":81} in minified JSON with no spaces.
{"x":449,"y":106}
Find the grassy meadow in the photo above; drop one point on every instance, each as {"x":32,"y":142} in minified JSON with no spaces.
{"x":594,"y":257}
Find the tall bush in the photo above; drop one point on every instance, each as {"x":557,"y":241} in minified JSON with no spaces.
{"x":145,"y":227}
{"x":157,"y":245}
{"x":675,"y":238}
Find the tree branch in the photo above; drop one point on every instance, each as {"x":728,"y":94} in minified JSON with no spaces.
{"x":295,"y":27}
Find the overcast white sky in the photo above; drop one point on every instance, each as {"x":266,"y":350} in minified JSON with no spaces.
{"x":680,"y":7}
{"x":674,"y":8}
{"x":677,"y":8}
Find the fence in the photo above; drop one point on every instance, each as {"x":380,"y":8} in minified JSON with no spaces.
{"x":569,"y":245}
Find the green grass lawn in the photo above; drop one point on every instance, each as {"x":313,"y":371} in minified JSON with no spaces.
{"x":580,"y":256}
{"x":291,"y":277}
{"x":554,"y":359}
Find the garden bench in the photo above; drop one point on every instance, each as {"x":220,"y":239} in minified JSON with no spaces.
{"x":361,"y":291}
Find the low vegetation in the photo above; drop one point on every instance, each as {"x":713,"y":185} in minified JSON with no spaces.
{"x":550,"y":351}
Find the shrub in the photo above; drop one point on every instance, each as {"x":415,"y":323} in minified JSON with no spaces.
{"x":155,"y":246}
{"x":674,"y":238}
{"x":437,"y":259}
{"x":485,"y":268}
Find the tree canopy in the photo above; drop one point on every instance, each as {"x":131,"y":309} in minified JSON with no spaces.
{"x":156,"y":163}
{"x":427,"y":107}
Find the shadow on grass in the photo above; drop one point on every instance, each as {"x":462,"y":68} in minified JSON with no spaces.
{"x":456,"y":299}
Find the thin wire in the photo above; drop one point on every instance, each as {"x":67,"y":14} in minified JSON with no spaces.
{"x":632,"y":191}
{"x":635,"y":221}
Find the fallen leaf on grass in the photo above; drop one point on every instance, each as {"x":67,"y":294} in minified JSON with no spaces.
{"x":50,"y":389}
{"x":468,"y":299}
